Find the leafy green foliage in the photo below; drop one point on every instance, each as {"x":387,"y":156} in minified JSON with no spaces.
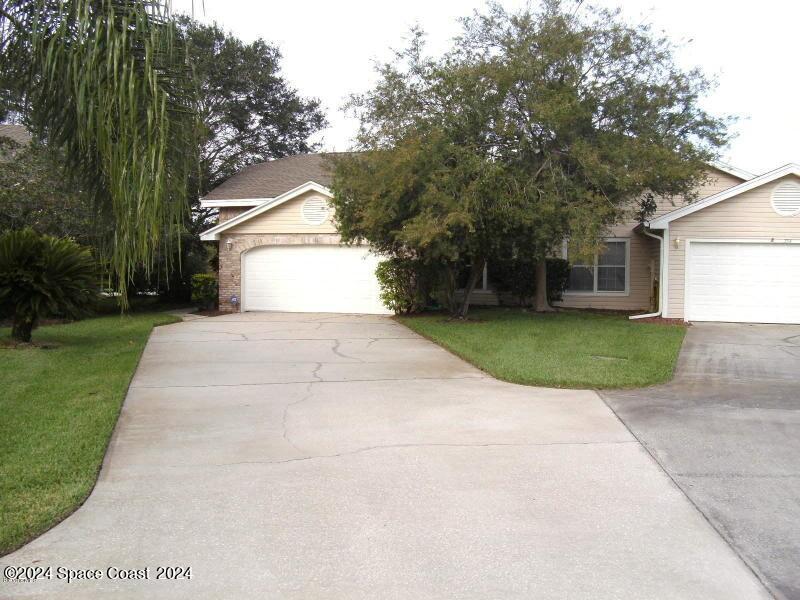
{"x":107,"y":82}
{"x":41,"y":275}
{"x":35,"y":192}
{"x":248,"y":113}
{"x":404,"y":286}
{"x":517,"y":275}
{"x":535,"y":127}
{"x":557,"y":278}
{"x":205,"y":290}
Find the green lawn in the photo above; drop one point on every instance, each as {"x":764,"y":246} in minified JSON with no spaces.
{"x":564,"y":349}
{"x":59,"y":407}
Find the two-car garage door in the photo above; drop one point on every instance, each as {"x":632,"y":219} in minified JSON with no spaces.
{"x":314,"y":278}
{"x":743,"y":282}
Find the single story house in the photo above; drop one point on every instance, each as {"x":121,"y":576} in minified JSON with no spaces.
{"x":731,"y":255}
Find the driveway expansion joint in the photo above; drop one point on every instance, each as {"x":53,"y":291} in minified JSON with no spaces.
{"x":417,"y":445}
{"x":318,"y":380}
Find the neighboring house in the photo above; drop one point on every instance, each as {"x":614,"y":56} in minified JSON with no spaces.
{"x":18,"y":133}
{"x":279,"y":249}
{"x":731,"y":255}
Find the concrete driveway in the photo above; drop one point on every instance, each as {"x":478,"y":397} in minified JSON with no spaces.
{"x":727,"y":429}
{"x":327,"y":456}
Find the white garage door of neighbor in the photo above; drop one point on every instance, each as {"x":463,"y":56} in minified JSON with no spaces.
{"x":743,"y":282}
{"x":338,"y":279}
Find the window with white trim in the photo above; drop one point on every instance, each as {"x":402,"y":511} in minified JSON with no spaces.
{"x":606,"y":274}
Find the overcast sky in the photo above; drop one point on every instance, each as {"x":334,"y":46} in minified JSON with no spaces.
{"x":329,"y":48}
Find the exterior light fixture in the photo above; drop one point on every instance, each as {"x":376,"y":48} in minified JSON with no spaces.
{"x":677,"y":242}
{"x":229,"y":243}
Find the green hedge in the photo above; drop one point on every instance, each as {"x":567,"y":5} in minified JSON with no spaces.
{"x":205,"y":290}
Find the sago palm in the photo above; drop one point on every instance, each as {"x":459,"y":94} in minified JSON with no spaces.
{"x":41,"y":275}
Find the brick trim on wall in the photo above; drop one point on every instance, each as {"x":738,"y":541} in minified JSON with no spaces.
{"x":230,"y":261}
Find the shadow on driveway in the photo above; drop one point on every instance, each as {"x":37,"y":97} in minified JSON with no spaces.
{"x":727,"y":430}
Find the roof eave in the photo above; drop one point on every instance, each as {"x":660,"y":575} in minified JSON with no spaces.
{"x":223,"y":202}
{"x":663,"y":221}
{"x":214,"y":233}
{"x":731,"y":170}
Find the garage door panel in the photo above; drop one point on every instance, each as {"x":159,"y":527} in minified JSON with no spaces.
{"x":743,"y":282}
{"x":311,"y":279}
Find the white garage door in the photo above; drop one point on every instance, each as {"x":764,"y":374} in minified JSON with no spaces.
{"x":742,"y":282}
{"x":311,"y":279}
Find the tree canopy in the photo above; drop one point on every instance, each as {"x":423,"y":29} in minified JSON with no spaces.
{"x":35,"y":193}
{"x":248,"y":112}
{"x":152,"y":111}
{"x":547,"y":124}
{"x":108,"y":83}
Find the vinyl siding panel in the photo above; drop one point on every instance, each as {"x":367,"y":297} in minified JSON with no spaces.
{"x":716,"y":182}
{"x":285,"y":218}
{"x":747,"y":216}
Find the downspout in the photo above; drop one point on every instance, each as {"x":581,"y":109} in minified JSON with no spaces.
{"x":660,"y":276}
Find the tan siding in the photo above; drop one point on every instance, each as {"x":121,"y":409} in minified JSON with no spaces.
{"x":481,"y":297}
{"x":285,"y":218}
{"x":642,"y":250}
{"x":645,"y":252}
{"x":226,"y":213}
{"x":717,"y":181}
{"x":748,"y":216}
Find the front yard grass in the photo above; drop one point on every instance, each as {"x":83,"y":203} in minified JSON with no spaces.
{"x":567,"y":349}
{"x":58,"y":407}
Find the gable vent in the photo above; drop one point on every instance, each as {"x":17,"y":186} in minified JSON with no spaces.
{"x":786,"y":199}
{"x":315,"y":211}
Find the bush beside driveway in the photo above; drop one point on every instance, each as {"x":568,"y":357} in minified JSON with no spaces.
{"x":59,"y":406}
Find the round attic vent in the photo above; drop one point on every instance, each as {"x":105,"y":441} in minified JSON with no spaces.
{"x":786,"y":199}
{"x":315,"y":211}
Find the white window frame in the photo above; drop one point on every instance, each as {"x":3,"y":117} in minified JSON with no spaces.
{"x":597,"y":292}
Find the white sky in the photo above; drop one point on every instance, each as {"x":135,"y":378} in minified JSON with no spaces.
{"x":751,"y":47}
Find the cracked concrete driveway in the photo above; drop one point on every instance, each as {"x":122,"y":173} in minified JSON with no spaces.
{"x":333,"y":456}
{"x":727,"y":429}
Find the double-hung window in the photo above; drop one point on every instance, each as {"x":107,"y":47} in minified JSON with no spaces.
{"x":607,"y":273}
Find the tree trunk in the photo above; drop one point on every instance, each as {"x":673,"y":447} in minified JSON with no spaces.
{"x":21,"y":328}
{"x":541,"y":304}
{"x":450,"y":291}
{"x":475,"y":273}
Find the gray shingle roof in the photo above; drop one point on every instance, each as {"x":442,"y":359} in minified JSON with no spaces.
{"x":273,"y":178}
{"x":18,"y":133}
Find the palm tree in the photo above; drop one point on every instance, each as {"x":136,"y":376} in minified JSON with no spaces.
{"x":108,"y":82}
